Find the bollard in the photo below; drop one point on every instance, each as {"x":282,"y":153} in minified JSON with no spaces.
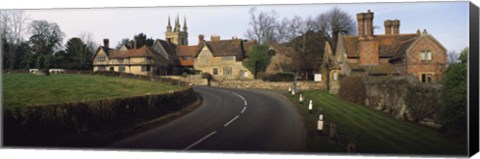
{"x":332,"y":130}
{"x":301,"y":99}
{"x":320,"y":124}
{"x":293,"y":92}
{"x":310,"y":105}
{"x":289,"y":89}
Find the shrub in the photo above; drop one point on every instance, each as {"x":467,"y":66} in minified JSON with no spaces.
{"x":279,"y":77}
{"x":353,"y":89}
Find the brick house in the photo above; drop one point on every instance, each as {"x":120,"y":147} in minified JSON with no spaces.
{"x":223,"y":58}
{"x":390,"y":54}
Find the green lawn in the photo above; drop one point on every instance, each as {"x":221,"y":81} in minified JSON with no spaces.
{"x":20,"y":90}
{"x":371,"y":131}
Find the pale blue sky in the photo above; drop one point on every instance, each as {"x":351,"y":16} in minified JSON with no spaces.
{"x":446,"y":21}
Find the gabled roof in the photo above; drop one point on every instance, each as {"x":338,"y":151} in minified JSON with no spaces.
{"x":388,"y":45}
{"x":186,"y":51}
{"x":107,"y":51}
{"x":223,"y":47}
{"x":144,"y":51}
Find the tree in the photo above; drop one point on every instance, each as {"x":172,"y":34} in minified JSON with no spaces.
{"x":452,"y":57}
{"x":75,"y":50}
{"x":12,"y":28}
{"x":258,"y":60}
{"x":335,"y":22}
{"x":454,"y":108}
{"x":46,"y":38}
{"x":264,"y":27}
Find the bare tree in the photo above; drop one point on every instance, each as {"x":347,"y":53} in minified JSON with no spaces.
{"x":13,"y":23}
{"x":263,"y":27}
{"x":452,"y":57}
{"x":334,"y":22}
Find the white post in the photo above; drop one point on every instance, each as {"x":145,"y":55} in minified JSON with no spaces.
{"x":293,"y":92}
{"x":310,"y":105}
{"x":289,"y":89}
{"x":301,"y":99}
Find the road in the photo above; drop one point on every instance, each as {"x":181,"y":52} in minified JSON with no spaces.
{"x":228,"y":120}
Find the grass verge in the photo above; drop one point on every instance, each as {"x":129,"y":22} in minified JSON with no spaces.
{"x":369,"y":130}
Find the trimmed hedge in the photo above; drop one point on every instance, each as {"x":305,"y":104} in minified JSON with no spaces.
{"x":38,"y":125}
{"x":352,"y":89}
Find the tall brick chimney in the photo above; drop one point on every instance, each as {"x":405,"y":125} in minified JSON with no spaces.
{"x":369,"y":25}
{"x":106,"y":43}
{"x":201,"y":38}
{"x":388,"y":27}
{"x":361,"y":25}
{"x":396,"y":26}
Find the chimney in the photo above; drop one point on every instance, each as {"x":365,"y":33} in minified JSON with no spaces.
{"x":388,"y":27}
{"x":369,"y":25}
{"x":201,"y":38}
{"x":396,"y":26}
{"x":106,"y":43}
{"x":214,"y":38}
{"x":361,"y":29}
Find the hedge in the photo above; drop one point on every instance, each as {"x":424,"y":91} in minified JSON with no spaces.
{"x":38,"y":125}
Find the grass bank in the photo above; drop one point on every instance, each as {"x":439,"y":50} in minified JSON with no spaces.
{"x":369,"y":130}
{"x":21,"y":90}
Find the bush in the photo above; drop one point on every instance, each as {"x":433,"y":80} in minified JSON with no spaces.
{"x":279,"y":77}
{"x":353,"y":89}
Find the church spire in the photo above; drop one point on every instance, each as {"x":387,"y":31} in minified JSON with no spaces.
{"x":169,"y":27}
{"x":184,"y":24}
{"x":177,"y":25}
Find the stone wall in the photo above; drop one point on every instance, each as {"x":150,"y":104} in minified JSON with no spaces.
{"x":404,"y":98}
{"x":259,"y":84}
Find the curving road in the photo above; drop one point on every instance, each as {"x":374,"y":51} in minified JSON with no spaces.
{"x":229,"y":120}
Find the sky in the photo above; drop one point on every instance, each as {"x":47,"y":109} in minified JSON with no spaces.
{"x":446,"y":21}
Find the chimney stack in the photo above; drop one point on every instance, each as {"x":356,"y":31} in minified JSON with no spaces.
{"x":215,"y":38}
{"x":201,"y":38}
{"x":388,"y":27}
{"x":106,"y":43}
{"x":396,"y":26}
{"x":369,"y":25}
{"x":361,"y":25}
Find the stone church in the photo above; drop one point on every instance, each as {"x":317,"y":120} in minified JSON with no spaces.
{"x":390,"y":54}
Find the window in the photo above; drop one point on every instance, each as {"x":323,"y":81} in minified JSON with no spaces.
{"x":146,"y":68}
{"x":426,"y":55}
{"x":227,"y":71}
{"x":186,"y":57}
{"x":120,"y":61}
{"x":101,"y":58}
{"x":121,"y":68}
{"x":101,"y":68}
{"x":426,"y":77}
{"x":335,"y":76}
{"x":215,"y":71}
{"x":228,"y":58}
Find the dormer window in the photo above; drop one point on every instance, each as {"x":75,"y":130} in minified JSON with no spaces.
{"x":101,"y":58}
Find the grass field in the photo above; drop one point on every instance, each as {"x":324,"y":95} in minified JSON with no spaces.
{"x":369,"y":130}
{"x":20,"y":90}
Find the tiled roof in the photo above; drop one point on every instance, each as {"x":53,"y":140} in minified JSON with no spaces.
{"x":225,"y":47}
{"x":144,"y":51}
{"x":186,"y":51}
{"x":389,"y":45}
{"x":247,"y":46}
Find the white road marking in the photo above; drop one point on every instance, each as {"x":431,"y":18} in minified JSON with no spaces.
{"x":199,"y":141}
{"x":229,"y":122}
{"x":243,"y":110}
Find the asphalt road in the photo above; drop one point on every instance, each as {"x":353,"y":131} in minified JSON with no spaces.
{"x":229,"y":120}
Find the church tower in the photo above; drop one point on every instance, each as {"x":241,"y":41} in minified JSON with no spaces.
{"x":177,"y":36}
